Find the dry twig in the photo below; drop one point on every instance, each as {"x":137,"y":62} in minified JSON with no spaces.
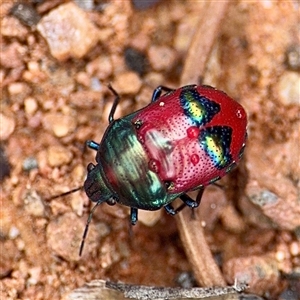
{"x":204,"y":266}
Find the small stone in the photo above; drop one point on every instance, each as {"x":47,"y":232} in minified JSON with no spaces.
{"x":58,"y":156}
{"x":86,"y":4}
{"x":96,"y":84}
{"x":68,"y":31}
{"x":17,"y":88}
{"x":85,"y":99}
{"x":30,"y":105}
{"x":292,"y":58}
{"x":14,"y":232}
{"x":7,"y":127}
{"x":61,"y":125}
{"x":264,"y":197}
{"x":11,"y":55}
{"x":100,"y":67}
{"x":154,"y":78}
{"x":33,"y":203}
{"x":26,"y":13}
{"x":83,"y":78}
{"x":144,"y":4}
{"x":12,"y":27}
{"x":30,"y":163}
{"x":282,"y":210}
{"x":35,"y":274}
{"x":135,"y":60}
{"x":295,"y":248}
{"x":4,"y":163}
{"x":289,"y":88}
{"x":261,"y":273}
{"x":161,"y":58}
{"x":127,"y":83}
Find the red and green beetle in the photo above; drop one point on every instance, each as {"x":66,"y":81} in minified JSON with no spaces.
{"x":184,"y":140}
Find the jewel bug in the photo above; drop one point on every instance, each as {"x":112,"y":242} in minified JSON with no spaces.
{"x":184,"y":140}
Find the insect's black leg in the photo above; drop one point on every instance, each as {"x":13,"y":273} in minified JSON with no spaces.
{"x":86,"y":229}
{"x":220,"y":186}
{"x":157,"y":92}
{"x":188,"y":201}
{"x":199,"y":196}
{"x":133,"y":215}
{"x":93,"y":145}
{"x":170,"y":210}
{"x":115,"y":104}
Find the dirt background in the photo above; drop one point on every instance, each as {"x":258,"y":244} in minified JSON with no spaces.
{"x":54,"y":97}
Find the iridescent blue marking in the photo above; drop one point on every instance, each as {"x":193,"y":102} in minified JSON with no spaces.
{"x":198,"y":108}
{"x":216,"y":143}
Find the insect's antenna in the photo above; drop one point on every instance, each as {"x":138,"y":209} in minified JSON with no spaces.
{"x":65,"y":194}
{"x":87,"y":226}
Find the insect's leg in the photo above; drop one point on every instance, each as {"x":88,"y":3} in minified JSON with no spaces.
{"x":115,"y":104}
{"x":157,"y":92}
{"x":170,"y":209}
{"x":93,"y":145}
{"x":188,"y":201}
{"x":86,"y":229}
{"x":220,"y":186}
{"x":133,"y":215}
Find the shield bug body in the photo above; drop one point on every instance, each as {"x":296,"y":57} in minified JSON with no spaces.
{"x":184,"y":140}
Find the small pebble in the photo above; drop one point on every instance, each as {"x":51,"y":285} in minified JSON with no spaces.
{"x":4,"y":163}
{"x":86,"y":4}
{"x":264,"y":197}
{"x":85,"y":99}
{"x":295,"y":248}
{"x":7,"y":127}
{"x":144,"y":4}
{"x":135,"y":60}
{"x":14,"y":232}
{"x":58,"y":156}
{"x":95,"y":84}
{"x":30,"y":105}
{"x":30,"y":163}
{"x":109,"y":254}
{"x":293,"y":58}
{"x":68,"y":31}
{"x":127,"y":83}
{"x":12,"y":55}
{"x":83,"y":78}
{"x":61,"y":125}
{"x":261,"y":273}
{"x":77,"y":204}
{"x":154,"y":79}
{"x":17,"y":88}
{"x":12,"y":27}
{"x":34,"y":204}
{"x":34,"y":273}
{"x":186,"y":280}
{"x":101,"y":67}
{"x":161,"y":58}
{"x":26,"y":13}
{"x":288,"y":88}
